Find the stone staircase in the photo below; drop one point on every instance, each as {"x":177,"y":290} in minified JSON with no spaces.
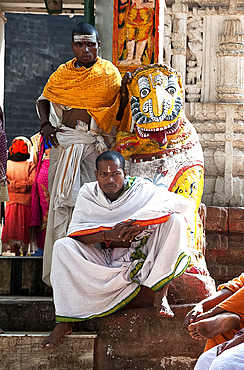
{"x":132,"y":338}
{"x":27,"y":316}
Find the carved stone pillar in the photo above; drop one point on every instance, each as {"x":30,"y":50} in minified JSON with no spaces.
{"x":179,"y":12}
{"x":194,"y":58}
{"x":230,"y":86}
{"x":167,"y":52}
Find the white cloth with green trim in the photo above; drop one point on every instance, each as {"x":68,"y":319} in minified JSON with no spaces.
{"x":88,"y":281}
{"x":141,"y":201}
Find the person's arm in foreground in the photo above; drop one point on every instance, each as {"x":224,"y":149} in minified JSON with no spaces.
{"x":121,"y":235}
{"x":238,"y":339}
{"x":207,"y":304}
{"x":124,"y":95}
{"x":48,"y":131}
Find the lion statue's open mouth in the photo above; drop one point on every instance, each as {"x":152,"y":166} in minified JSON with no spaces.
{"x":158,"y":134}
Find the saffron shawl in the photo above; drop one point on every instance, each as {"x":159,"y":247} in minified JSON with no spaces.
{"x":233,"y":304}
{"x":141,"y":201}
{"x":96,"y":89}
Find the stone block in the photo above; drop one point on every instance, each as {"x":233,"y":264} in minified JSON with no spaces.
{"x":22,"y":276}
{"x":236,"y":242}
{"x":222,"y":273}
{"x":217,"y":219}
{"x":139,"y":339}
{"x":20,"y":351}
{"x":216,"y":242}
{"x":236,"y":220}
{"x":190,"y":288}
{"x":26,"y":313}
{"x":226,"y":258}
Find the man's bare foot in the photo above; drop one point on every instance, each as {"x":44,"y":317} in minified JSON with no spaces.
{"x":212,"y":326}
{"x":211,"y":313}
{"x":162,"y":305}
{"x":60,"y":330}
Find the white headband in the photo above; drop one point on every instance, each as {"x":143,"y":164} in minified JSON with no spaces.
{"x":85,"y":38}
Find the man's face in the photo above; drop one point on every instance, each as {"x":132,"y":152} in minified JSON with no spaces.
{"x":85,"y":48}
{"x":110,"y":177}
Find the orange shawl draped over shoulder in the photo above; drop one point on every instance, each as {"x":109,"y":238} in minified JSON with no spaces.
{"x":234,"y":304}
{"x":96,"y":89}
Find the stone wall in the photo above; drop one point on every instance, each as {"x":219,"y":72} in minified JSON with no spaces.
{"x":205,"y":42}
{"x":35,"y":46}
{"x":224,"y":242}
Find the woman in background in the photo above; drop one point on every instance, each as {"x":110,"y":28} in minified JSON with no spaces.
{"x":40,"y":194}
{"x":20,"y":178}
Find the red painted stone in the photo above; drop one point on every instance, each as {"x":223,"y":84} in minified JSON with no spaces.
{"x":216,"y":241}
{"x":217,"y":219}
{"x":236,"y":220}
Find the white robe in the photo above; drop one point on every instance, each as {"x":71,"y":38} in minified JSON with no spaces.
{"x":231,"y":359}
{"x":88,"y":281}
{"x":72,"y":164}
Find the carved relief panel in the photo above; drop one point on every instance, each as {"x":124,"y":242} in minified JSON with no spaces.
{"x":194,"y":58}
{"x":135,"y":33}
{"x":230,"y":86}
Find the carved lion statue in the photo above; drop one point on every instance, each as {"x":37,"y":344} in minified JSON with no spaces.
{"x":163,"y":145}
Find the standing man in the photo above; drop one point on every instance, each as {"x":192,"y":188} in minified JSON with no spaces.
{"x":125,"y":232}
{"x":82,"y":105}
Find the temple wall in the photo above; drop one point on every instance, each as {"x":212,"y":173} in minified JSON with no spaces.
{"x":206,"y":44}
{"x":35,"y":45}
{"x":104,"y":25}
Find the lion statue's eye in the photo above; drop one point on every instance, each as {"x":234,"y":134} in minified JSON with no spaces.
{"x":171,"y":90}
{"x":144,"y":92}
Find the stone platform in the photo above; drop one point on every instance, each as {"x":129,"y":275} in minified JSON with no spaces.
{"x":20,"y":351}
{"x":132,"y":338}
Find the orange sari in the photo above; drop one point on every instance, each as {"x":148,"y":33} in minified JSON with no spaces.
{"x":235,"y":304}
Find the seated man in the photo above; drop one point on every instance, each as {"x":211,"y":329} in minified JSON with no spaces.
{"x":225,"y":356}
{"x":218,"y":317}
{"x":125,"y":232}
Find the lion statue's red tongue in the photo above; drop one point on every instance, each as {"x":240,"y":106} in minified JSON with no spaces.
{"x":159,"y":136}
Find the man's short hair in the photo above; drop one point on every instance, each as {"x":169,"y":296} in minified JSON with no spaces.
{"x":113,"y":156}
{"x":84,"y":28}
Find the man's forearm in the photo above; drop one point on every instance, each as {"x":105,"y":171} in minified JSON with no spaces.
{"x":123,"y":102}
{"x":215,"y":299}
{"x":102,"y":237}
{"x":90,"y":238}
{"x":44,"y":110}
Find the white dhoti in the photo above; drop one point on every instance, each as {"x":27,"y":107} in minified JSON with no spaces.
{"x":72,"y":164}
{"x":231,"y":359}
{"x":91,"y":282}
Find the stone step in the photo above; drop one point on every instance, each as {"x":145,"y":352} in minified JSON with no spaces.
{"x":19,"y":313}
{"x":37,"y":313}
{"x":20,"y":351}
{"x":139,"y":339}
{"x":22,"y":276}
{"x":129,"y":339}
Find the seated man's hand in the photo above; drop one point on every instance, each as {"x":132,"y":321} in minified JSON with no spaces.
{"x":125,"y":231}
